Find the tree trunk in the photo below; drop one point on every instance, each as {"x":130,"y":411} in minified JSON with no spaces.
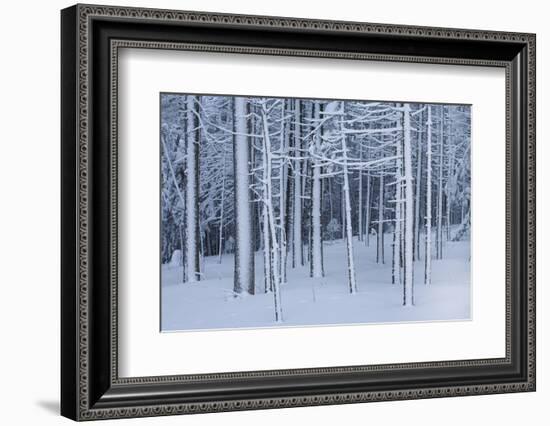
{"x":439,"y":239}
{"x":418,"y":195}
{"x":408,"y":285}
{"x":368,"y":211}
{"x":271,"y":235}
{"x":297,"y":258}
{"x":360,"y":198}
{"x":268,"y":284}
{"x":316,"y":250}
{"x":397,"y":237}
{"x":331,"y":201}
{"x":283,"y":179}
{"x":380,"y":233}
{"x":182,"y":246}
{"x":349,"y":234}
{"x":222,"y":210}
{"x":244,"y":251}
{"x":192,"y":190}
{"x":343,"y":212}
{"x":428,"y":250}
{"x":449,"y":191}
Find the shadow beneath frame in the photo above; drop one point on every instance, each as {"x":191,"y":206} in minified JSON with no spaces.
{"x":51,"y":406}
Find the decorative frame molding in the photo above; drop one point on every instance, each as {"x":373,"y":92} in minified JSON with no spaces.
{"x":91,"y":388}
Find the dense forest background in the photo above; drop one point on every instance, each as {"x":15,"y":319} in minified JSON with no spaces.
{"x":270,"y":183}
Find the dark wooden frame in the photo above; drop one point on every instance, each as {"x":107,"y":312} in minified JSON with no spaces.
{"x":90,"y":386}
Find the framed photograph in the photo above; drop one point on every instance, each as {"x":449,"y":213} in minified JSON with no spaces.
{"x":263,"y":212}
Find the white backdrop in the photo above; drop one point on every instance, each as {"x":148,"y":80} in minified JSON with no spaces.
{"x":29,"y":217}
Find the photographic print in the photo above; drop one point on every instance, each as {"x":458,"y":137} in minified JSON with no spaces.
{"x":283,"y":212}
{"x":349,"y":207}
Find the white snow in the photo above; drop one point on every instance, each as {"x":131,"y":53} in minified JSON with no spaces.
{"x":212,"y":304}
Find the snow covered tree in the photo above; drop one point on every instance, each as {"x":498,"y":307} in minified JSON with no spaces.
{"x":244,"y":252}
{"x":192,"y":191}
{"x":428,"y":249}
{"x":270,"y":234}
{"x":347,"y":198}
{"x":408,"y":276}
{"x":380,"y":230}
{"x":297,"y":253}
{"x":316,"y":239}
{"x":418,"y":186}
{"x":398,"y":223}
{"x":439,"y":215}
{"x":368,"y":210}
{"x":283,"y":163}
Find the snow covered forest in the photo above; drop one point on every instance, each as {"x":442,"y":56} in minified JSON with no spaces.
{"x":285,"y":212}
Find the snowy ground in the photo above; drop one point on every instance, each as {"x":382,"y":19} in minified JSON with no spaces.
{"x":211,"y":304}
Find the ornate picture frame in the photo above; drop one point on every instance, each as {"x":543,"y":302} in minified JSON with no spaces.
{"x":91,"y":37}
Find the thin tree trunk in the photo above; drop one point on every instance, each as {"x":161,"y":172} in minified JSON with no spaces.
{"x":417,"y":196}
{"x":306,"y":211}
{"x":268,"y":285}
{"x":428,"y":251}
{"x":343,"y":212}
{"x":368,"y":211}
{"x":439,"y":251}
{"x":182,"y":247}
{"x":397,"y":238}
{"x":448,"y":199}
{"x":316,"y":250}
{"x":222,"y":206}
{"x":349,"y":234}
{"x":297,"y":258}
{"x":268,"y":206}
{"x":305,"y":177}
{"x":330,"y":200}
{"x":380,"y":233}
{"x":360,"y":198}
{"x":192,"y":181}
{"x":394,"y":261}
{"x":282,"y":195}
{"x":408,"y":285}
